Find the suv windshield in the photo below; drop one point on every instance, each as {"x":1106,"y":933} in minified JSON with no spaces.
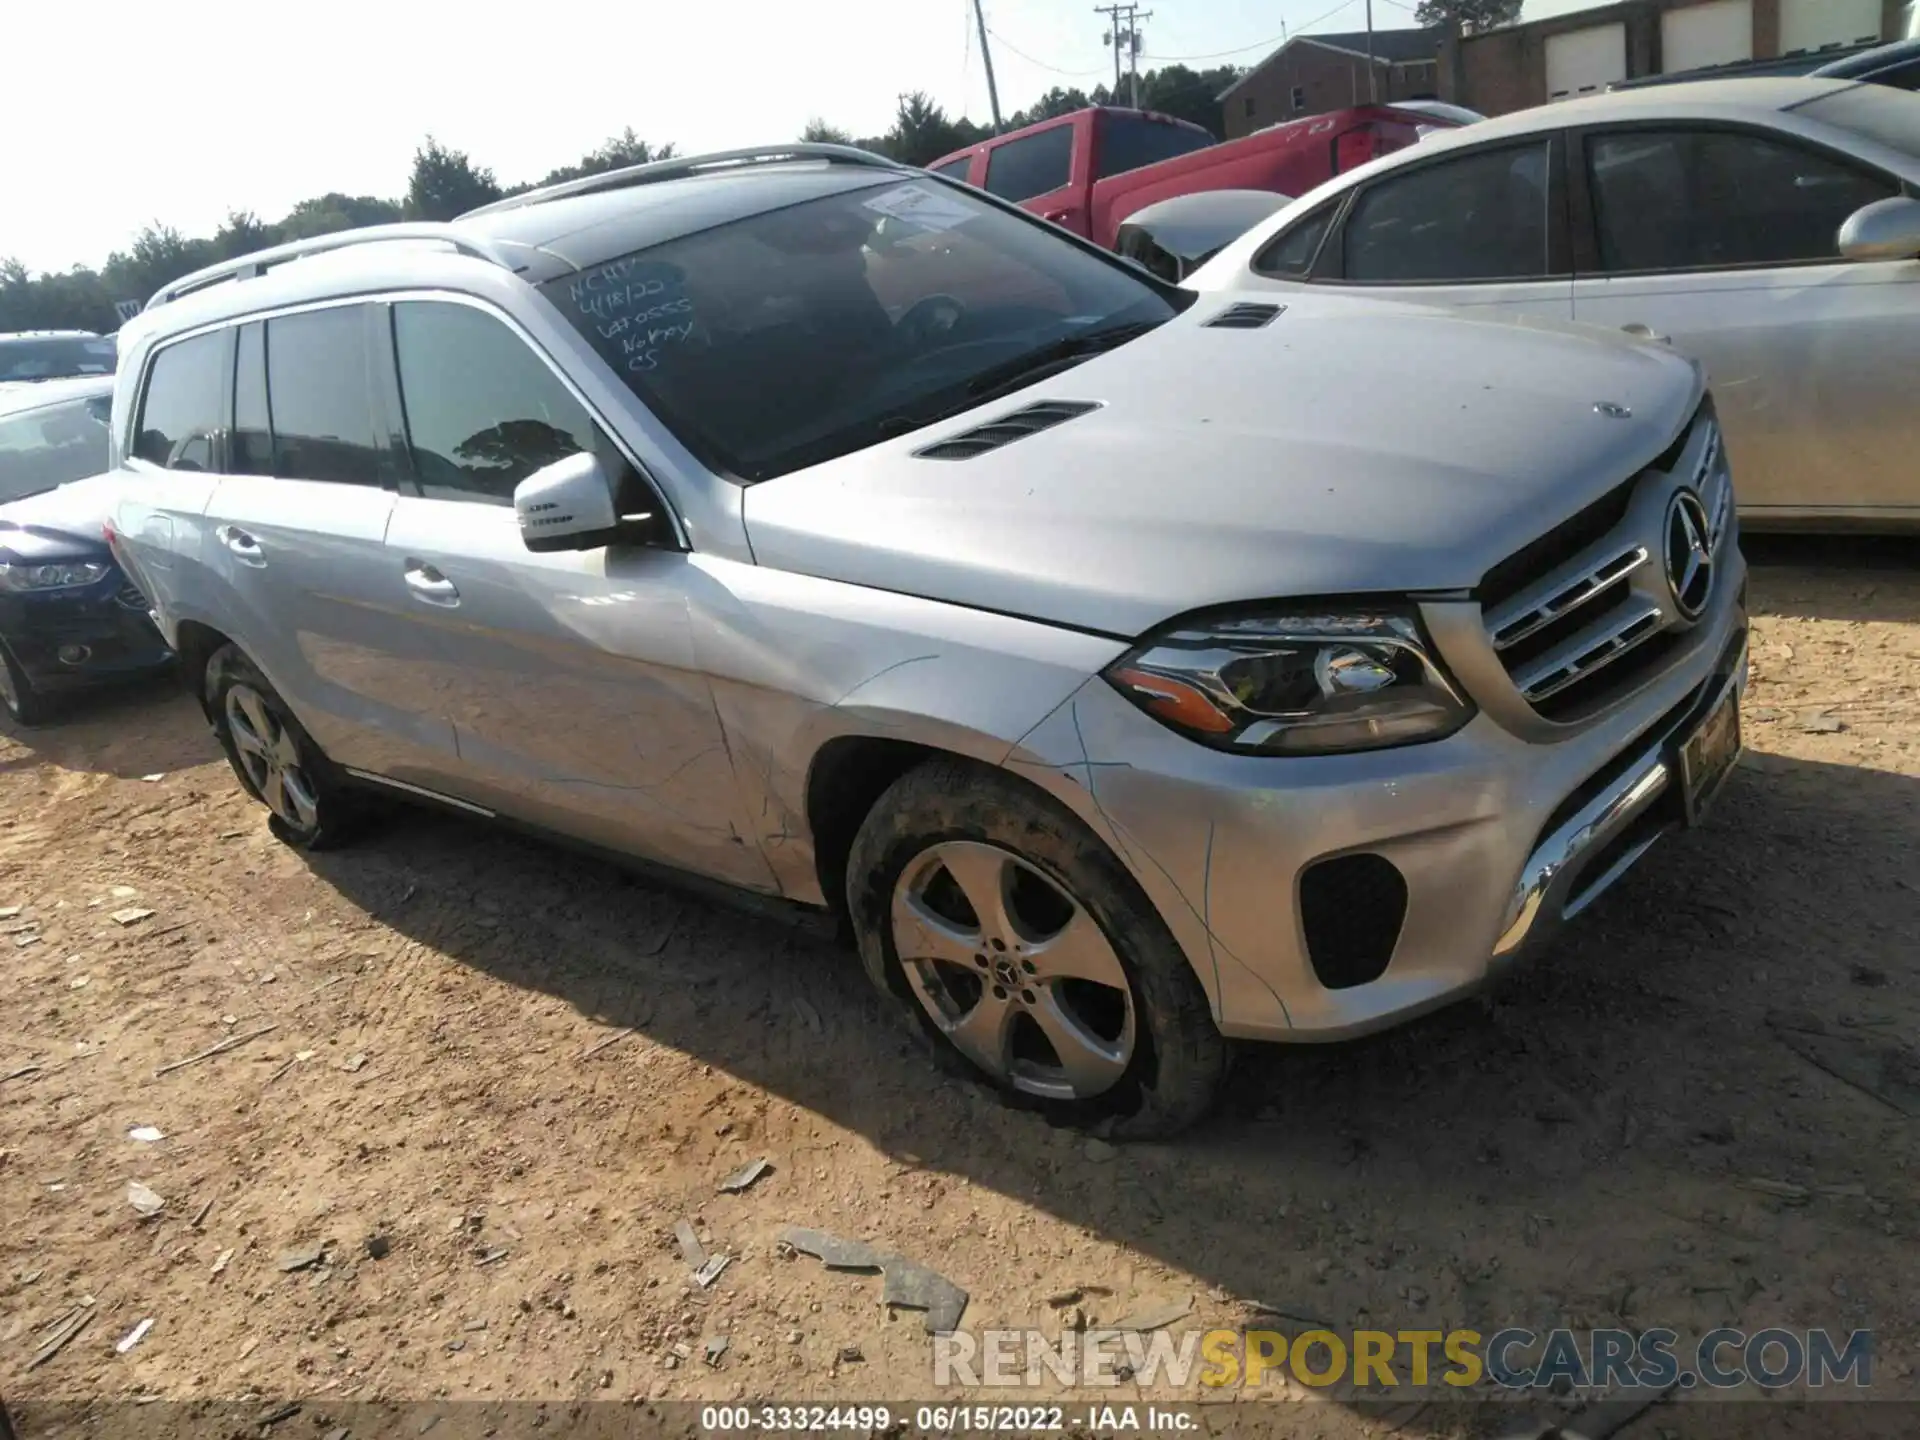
{"x":53,"y":444}
{"x":1873,"y":112}
{"x":55,"y":357}
{"x":793,"y":336}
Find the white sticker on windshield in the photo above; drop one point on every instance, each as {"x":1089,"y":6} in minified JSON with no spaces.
{"x":921,"y":205}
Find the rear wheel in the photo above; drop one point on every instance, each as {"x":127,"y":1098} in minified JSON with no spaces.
{"x":276,"y":761}
{"x":25,"y":704}
{"x":1010,"y":939}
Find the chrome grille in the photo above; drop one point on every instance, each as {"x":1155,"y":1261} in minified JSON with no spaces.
{"x":1576,"y":618}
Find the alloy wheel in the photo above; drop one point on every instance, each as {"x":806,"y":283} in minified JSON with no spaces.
{"x":270,"y":755}
{"x":1013,"y":970}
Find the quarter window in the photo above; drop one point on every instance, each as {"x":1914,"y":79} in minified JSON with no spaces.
{"x":181,"y":414}
{"x":1291,"y":256}
{"x":483,"y":411}
{"x":1022,"y":169}
{"x":319,"y":396}
{"x":1481,"y":217}
{"x":1706,"y":199}
{"x":955,"y":169}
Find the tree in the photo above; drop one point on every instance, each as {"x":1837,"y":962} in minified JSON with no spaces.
{"x":1055,"y":102}
{"x":243,"y":234}
{"x":1185,"y":94}
{"x":616,"y":153}
{"x":1472,"y":16}
{"x":922,"y":133}
{"x":445,"y":183}
{"x":817,"y":131}
{"x":160,"y":255}
{"x":324,"y":214}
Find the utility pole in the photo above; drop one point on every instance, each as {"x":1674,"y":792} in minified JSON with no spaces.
{"x":1112,"y":37}
{"x":986,"y":55}
{"x":1128,"y":36}
{"x":1373,"y":74}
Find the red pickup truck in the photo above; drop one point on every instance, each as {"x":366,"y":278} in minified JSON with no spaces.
{"x":1093,"y":168}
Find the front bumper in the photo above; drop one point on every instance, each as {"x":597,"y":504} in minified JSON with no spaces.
{"x":73,"y":639}
{"x":1493,"y":838}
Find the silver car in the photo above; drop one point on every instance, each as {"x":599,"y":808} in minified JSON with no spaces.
{"x":1125,"y":674}
{"x":1767,"y":228}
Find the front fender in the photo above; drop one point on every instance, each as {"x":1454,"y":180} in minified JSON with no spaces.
{"x":797,"y":663}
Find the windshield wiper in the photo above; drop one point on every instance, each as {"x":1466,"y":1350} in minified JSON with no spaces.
{"x":1052,"y":358}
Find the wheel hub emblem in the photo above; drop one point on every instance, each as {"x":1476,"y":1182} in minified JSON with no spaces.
{"x":1006,"y":973}
{"x":1689,"y":555}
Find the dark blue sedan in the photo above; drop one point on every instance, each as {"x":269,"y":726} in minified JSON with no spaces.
{"x":69,"y":619}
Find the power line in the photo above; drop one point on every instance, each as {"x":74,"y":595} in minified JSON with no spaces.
{"x":1280,"y":39}
{"x":1053,"y":69}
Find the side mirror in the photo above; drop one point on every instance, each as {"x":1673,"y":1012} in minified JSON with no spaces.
{"x":567,"y":505}
{"x":1884,"y":230}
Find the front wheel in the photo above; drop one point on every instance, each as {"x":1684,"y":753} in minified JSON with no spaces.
{"x":25,"y":704}
{"x":1009,"y":937}
{"x":276,"y":761}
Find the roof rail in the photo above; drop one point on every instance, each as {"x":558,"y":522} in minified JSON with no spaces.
{"x":248,"y":267}
{"x":680,"y":167}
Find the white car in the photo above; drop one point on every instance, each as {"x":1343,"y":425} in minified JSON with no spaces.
{"x":1768,"y":228}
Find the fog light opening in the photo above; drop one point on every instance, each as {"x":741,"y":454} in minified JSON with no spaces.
{"x":74,"y":654}
{"x":1351,"y":910}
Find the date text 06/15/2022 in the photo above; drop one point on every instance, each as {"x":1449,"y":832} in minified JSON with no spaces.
{"x":948,"y":1419}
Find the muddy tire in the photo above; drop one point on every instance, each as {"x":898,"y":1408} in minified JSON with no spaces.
{"x":274,"y":758}
{"x":27,"y":706}
{"x":1017,"y":948}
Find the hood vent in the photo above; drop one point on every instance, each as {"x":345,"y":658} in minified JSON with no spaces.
{"x":1029,"y":420}
{"x":1248,"y":315}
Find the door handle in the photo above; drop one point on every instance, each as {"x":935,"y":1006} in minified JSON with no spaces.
{"x":1643,"y":332}
{"x":242,"y":546}
{"x":430,"y":585}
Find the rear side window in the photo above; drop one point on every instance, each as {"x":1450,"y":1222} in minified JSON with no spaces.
{"x":483,"y":411}
{"x":1127,"y":142}
{"x":1291,"y":256}
{"x":182,"y":411}
{"x":1022,"y":169}
{"x":319,"y":396}
{"x":1699,"y":200}
{"x":1481,"y":217}
{"x":955,"y":169}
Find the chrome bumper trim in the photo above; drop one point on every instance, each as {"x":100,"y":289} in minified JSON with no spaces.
{"x":1559,"y":862}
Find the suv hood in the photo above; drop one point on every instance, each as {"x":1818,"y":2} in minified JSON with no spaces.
{"x":1350,"y":446}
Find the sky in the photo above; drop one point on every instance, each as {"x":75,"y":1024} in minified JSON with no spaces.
{"x":254,"y":106}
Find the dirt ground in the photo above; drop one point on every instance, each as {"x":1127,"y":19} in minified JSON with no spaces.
{"x":507,"y":1073}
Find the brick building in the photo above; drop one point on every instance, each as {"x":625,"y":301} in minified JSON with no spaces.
{"x":1314,"y":73}
{"x":1580,"y":53}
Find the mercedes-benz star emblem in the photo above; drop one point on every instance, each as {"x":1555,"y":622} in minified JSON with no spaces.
{"x":1689,"y":553}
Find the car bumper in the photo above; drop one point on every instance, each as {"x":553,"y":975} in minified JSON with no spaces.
{"x":1459,"y":857}
{"x":70,"y":641}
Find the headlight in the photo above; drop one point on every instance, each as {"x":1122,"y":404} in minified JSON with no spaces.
{"x":52,"y":577}
{"x":1295,"y":683}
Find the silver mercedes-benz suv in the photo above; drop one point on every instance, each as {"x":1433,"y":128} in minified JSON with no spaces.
{"x":1131,"y":670}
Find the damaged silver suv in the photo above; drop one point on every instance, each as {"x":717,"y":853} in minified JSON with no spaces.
{"x":1128,"y":674}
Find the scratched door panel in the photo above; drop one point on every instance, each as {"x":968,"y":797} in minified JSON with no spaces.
{"x":570,"y":684}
